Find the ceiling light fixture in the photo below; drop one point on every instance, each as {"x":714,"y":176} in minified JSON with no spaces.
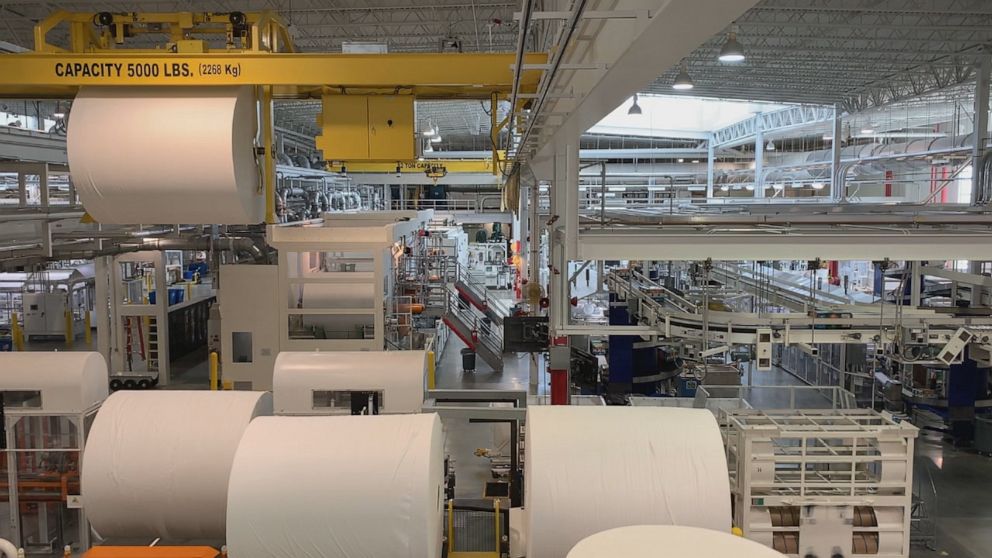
{"x":634,"y":107}
{"x":732,"y":51}
{"x":58,"y":115}
{"x":867,"y":131}
{"x":770,"y":146}
{"x":683,"y":82}
{"x":436,"y":138}
{"x":724,"y":188}
{"x":681,"y":160}
{"x":431,"y":131}
{"x":818,"y":185}
{"x":778,"y":186}
{"x":749,"y":187}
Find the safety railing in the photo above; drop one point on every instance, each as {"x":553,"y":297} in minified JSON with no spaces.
{"x":482,"y":329}
{"x":477,"y":287}
{"x":780,"y":397}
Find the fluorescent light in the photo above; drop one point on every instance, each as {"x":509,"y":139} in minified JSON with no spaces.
{"x":866,"y":131}
{"x":827,"y":137}
{"x":58,"y":115}
{"x":695,"y":160}
{"x":732,"y":51}
{"x":634,"y":108}
{"x":796,"y":184}
{"x":681,"y":160}
{"x":683,"y":82}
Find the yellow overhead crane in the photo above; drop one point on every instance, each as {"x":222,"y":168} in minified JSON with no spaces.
{"x":258,"y":51}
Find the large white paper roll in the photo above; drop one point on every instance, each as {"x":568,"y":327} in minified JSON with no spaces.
{"x":668,"y":541}
{"x":337,"y":487}
{"x":163,"y":155}
{"x":157,"y":463}
{"x":298,"y":377}
{"x":589,"y":469}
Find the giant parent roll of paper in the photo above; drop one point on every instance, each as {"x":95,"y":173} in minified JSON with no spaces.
{"x":157,"y":463}
{"x":165,"y":155}
{"x":589,"y":469}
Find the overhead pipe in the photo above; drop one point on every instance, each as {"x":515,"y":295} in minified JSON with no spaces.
{"x":518,"y":68}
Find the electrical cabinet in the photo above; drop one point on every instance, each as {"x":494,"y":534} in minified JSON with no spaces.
{"x":367,"y":128}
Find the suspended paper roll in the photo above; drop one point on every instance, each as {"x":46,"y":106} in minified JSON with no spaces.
{"x":337,"y":487}
{"x":157,"y":462}
{"x":595,"y":468}
{"x":164,"y":155}
{"x":299,"y":377}
{"x":667,"y":541}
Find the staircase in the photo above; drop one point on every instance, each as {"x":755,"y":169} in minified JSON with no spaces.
{"x":466,"y":321}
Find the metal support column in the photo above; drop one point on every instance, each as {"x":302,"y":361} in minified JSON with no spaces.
{"x":837,"y":192}
{"x":759,"y":161}
{"x":981,"y":133}
{"x":710,"y":162}
{"x":915,"y":284}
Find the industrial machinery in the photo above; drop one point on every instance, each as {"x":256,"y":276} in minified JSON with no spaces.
{"x":822,"y":482}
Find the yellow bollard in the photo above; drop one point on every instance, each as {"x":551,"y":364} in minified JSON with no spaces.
{"x":431,"y":379}
{"x":16,"y":333}
{"x":87,"y":332}
{"x":189,"y":291}
{"x":213,"y":370}
{"x":737,"y":531}
{"x":69,"y":333}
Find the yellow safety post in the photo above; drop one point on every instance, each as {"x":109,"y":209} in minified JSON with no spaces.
{"x":498,"y":537}
{"x":16,"y":333}
{"x":737,"y":531}
{"x":68,"y":329}
{"x":213,"y":370}
{"x":189,"y":291}
{"x":87,"y":328}
{"x":451,"y":526}
{"x":431,"y":374}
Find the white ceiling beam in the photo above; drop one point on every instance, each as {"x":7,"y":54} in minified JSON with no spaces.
{"x":637,"y":51}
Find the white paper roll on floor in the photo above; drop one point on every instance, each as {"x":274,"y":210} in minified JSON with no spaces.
{"x":590,"y":469}
{"x":157,"y":463}
{"x":337,"y":487}
{"x":164,"y":155}
{"x":668,"y":541}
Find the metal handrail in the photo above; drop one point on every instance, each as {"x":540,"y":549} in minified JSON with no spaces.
{"x":471,"y":317}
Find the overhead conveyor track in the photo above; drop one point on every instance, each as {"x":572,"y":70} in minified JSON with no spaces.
{"x":653,"y":307}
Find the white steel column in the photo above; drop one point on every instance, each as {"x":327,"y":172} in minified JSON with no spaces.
{"x":710,"y":162}
{"x":836,"y":180}
{"x":759,"y":161}
{"x":161,"y":316}
{"x":981,"y":132}
{"x":105,"y":330}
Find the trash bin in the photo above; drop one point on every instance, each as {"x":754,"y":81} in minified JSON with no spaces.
{"x":468,"y":360}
